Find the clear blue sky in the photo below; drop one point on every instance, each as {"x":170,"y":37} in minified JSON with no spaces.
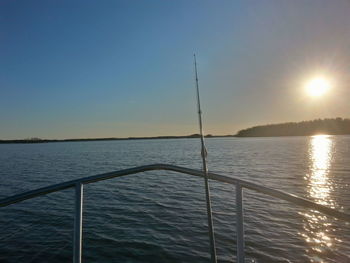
{"x":77,"y":69}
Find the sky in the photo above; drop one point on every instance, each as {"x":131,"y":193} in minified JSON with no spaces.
{"x":91,"y":69}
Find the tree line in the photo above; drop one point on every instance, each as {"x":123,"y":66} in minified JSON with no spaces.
{"x":335,"y":126}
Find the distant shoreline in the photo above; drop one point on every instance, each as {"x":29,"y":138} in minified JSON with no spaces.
{"x":38,"y":140}
{"x":335,"y":126}
{"x":29,"y":141}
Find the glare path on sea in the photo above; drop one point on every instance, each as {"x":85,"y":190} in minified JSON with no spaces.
{"x":317,"y":227}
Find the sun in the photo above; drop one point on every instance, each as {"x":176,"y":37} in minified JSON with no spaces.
{"x":317,"y":87}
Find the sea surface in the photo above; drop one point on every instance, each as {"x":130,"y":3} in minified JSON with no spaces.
{"x":160,"y":216}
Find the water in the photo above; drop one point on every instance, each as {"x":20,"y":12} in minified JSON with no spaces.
{"x":161,"y":216}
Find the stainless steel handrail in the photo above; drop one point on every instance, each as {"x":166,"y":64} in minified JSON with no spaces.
{"x":240,"y":184}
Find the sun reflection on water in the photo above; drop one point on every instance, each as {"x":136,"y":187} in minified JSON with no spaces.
{"x":320,"y":155}
{"x":317,"y":226}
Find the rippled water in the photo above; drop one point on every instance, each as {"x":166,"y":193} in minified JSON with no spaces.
{"x":161,"y":216}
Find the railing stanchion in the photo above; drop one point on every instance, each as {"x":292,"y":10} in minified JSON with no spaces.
{"x":239,"y":224}
{"x":78,"y":223}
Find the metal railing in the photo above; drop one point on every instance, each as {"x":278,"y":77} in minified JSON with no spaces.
{"x":240,"y":184}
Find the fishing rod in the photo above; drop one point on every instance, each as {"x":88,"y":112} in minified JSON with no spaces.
{"x":205,"y":170}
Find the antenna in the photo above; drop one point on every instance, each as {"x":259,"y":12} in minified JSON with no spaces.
{"x":205,"y":170}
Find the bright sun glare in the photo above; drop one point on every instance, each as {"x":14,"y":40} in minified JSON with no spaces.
{"x":317,"y":87}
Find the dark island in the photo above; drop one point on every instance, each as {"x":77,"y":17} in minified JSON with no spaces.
{"x":336,"y":126}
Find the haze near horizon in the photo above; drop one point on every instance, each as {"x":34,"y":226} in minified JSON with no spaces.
{"x":121,"y":68}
